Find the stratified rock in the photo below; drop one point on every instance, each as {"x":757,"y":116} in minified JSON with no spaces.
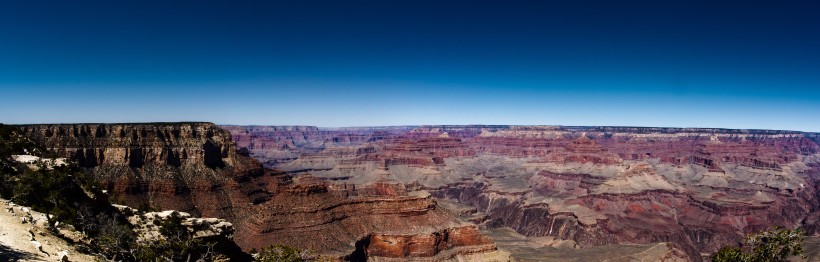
{"x":196,"y":169}
{"x":697,"y":189}
{"x":428,"y":244}
{"x":189,"y":167}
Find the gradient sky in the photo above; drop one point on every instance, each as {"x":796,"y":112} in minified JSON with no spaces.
{"x":732,"y":64}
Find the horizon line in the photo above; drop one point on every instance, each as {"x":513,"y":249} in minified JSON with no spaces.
{"x":409,"y":125}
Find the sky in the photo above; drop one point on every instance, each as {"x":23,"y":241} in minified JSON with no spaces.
{"x":726,"y":64}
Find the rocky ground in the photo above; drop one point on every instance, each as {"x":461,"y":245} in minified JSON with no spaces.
{"x":31,"y":241}
{"x":811,"y":248}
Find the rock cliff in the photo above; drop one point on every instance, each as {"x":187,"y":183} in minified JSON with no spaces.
{"x":196,"y":168}
{"x":190,"y":167}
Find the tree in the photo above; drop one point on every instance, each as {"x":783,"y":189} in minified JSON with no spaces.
{"x":776,"y":244}
{"x":115,"y":240}
{"x":279,"y":253}
{"x":52,"y":191}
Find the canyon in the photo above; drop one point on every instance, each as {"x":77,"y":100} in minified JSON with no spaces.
{"x":438,"y":193}
{"x":693,"y":190}
{"x":195,"y":168}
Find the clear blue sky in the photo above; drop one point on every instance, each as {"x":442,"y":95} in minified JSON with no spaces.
{"x":731,"y":64}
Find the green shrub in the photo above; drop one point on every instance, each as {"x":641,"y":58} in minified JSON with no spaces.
{"x":774,"y":245}
{"x":117,"y":241}
{"x":279,"y":253}
{"x":51,"y":191}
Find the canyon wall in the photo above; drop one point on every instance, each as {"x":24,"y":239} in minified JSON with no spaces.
{"x":697,"y":189}
{"x":190,"y":167}
{"x":427,"y":193}
{"x":196,"y":168}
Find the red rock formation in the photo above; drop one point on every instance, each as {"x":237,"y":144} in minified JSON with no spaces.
{"x":696,"y":188}
{"x":274,"y":145}
{"x":194,"y":167}
{"x":427,"y":244}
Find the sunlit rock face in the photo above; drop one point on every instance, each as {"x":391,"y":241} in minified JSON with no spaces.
{"x":137,"y":145}
{"x":698,"y":189}
{"x":182,"y":166}
{"x":196,"y":168}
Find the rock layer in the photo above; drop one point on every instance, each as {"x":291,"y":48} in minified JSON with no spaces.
{"x":696,"y":189}
{"x":190,"y":167}
{"x":196,"y":168}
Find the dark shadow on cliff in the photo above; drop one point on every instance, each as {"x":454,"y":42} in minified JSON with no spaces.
{"x":10,"y":254}
{"x":213,"y":155}
{"x":86,"y":157}
{"x":173,"y":158}
{"x":136,"y":158}
{"x":360,"y":254}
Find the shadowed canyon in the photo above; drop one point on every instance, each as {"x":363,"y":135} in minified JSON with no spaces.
{"x":437,"y":193}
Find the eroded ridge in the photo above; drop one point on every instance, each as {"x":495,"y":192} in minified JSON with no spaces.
{"x":697,"y":189}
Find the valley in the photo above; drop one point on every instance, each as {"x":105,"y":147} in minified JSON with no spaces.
{"x":477,"y":193}
{"x":696,"y":189}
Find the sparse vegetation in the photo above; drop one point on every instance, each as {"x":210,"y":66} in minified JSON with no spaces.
{"x":55,"y":192}
{"x":279,"y":253}
{"x":66,"y":194}
{"x":283,"y":253}
{"x":11,"y":143}
{"x":772,"y":245}
{"x":175,"y":243}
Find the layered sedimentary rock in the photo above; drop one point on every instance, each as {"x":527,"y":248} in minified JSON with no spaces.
{"x":429,"y":244}
{"x":196,"y":168}
{"x":281,"y":144}
{"x":425,"y":192}
{"x":137,"y":145}
{"x":696,"y":189}
{"x":343,"y":220}
{"x":190,"y":167}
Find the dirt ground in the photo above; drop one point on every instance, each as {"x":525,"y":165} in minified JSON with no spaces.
{"x":16,"y":242}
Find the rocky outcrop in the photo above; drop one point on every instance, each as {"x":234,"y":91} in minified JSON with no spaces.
{"x":145,"y":224}
{"x":344,"y":221}
{"x":442,"y":244}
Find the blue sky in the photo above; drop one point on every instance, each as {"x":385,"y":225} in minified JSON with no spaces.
{"x":730,"y":64}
